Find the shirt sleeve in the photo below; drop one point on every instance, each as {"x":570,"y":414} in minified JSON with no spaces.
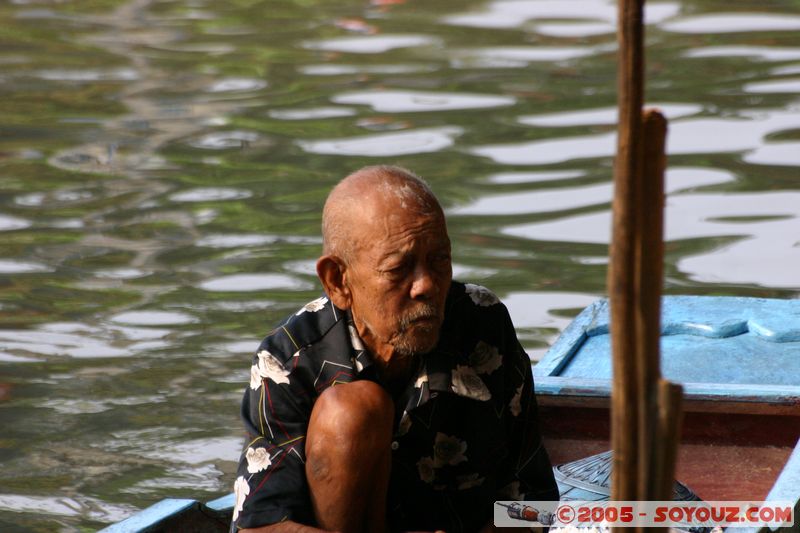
{"x":271,"y":484}
{"x":527,"y":473}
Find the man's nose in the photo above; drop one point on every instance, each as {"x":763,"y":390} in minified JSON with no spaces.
{"x":423,"y":286}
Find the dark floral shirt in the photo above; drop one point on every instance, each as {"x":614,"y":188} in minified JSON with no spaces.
{"x":465,"y":433}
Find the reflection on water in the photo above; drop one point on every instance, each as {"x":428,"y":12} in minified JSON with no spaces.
{"x":224,"y":140}
{"x":236,"y":85}
{"x":338,"y":69}
{"x":565,"y":198}
{"x":767,"y":256}
{"x":734,"y":23}
{"x":791,"y":86}
{"x":686,"y":136}
{"x":514,"y":13}
{"x":604,"y":116}
{"x":386,"y":144}
{"x":11,"y":266}
{"x":9,"y":223}
{"x":312,"y":113}
{"x":163,"y":166}
{"x":519,"y":56}
{"x":775,"y":153}
{"x":255,"y":282}
{"x":90,"y":509}
{"x":152,"y":318}
{"x":208,"y":194}
{"x":412,"y":101}
{"x":374,"y":44}
{"x":762,"y":53}
{"x":533,"y":177}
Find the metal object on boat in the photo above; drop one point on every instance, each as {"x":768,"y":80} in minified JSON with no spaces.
{"x":589,"y":479}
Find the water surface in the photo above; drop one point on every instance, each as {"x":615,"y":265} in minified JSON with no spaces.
{"x":163,"y":164}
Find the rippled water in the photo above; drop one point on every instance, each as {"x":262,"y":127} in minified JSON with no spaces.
{"x":163,"y":164}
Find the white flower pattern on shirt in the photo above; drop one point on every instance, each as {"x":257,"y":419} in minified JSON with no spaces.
{"x":255,"y":377}
{"x":468,"y":384}
{"x":313,"y":306}
{"x":485,"y":358}
{"x":269,"y":367}
{"x":480,"y":295}
{"x":240,"y":490}
{"x":448,"y":450}
{"x":258,"y":459}
{"x":426,"y":470}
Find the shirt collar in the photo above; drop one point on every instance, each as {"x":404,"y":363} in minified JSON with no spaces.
{"x":362,"y":359}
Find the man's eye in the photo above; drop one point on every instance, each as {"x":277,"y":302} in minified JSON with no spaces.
{"x":442,"y":260}
{"x":398,"y":269}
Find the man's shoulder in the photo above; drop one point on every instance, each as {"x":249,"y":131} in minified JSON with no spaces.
{"x":307,"y":326}
{"x":475,"y":313}
{"x":473,"y":299}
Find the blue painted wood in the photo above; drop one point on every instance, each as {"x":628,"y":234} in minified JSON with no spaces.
{"x":178,"y":515}
{"x":739,"y":349}
{"x":151,"y":516}
{"x":787,"y":396}
{"x":223,"y":504}
{"x":787,"y":487}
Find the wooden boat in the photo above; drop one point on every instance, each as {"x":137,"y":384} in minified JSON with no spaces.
{"x":173,"y":515}
{"x":739,"y":362}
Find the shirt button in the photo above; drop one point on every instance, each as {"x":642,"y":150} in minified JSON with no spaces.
{"x":395,"y":445}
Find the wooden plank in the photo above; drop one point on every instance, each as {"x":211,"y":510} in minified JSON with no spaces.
{"x":761,"y":398}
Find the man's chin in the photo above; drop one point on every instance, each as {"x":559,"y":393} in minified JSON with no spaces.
{"x":412,"y":345}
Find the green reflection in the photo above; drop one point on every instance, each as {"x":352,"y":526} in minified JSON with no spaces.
{"x":112,"y":117}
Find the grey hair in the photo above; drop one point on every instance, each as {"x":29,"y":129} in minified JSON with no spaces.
{"x":411,"y":191}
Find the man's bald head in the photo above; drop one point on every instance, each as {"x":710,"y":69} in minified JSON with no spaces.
{"x":359,"y":194}
{"x":386,"y":259}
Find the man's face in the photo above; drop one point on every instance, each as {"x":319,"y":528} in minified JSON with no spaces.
{"x":399,"y":277}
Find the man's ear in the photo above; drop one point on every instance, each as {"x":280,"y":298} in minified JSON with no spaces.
{"x":331,"y":272}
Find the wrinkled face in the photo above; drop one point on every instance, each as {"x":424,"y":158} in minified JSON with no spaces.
{"x":399,"y":277}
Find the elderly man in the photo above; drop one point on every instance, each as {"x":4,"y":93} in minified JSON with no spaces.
{"x":399,"y":401}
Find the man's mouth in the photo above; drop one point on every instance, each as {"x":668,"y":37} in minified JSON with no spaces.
{"x":423,"y":317}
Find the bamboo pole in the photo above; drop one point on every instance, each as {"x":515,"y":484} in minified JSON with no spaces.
{"x":649,"y":275}
{"x":646,"y":410}
{"x":670,"y":417}
{"x":621,"y":273}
